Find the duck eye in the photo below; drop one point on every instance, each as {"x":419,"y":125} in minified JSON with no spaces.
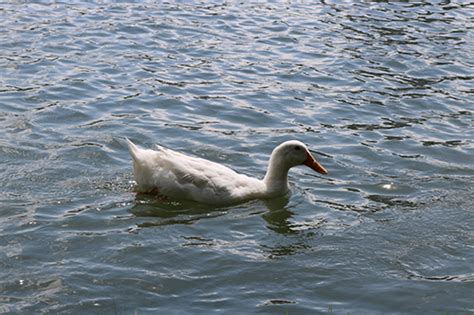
{"x":297,"y":148}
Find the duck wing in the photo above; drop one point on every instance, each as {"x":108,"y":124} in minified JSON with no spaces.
{"x":185,"y":177}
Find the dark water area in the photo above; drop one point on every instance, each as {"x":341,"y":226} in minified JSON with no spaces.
{"x":382,"y":92}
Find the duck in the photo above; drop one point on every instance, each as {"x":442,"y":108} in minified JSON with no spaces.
{"x":178,"y":176}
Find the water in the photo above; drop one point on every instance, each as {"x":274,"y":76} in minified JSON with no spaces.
{"x":382,"y":92}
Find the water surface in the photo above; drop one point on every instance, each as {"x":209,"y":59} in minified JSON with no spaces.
{"x":381,"y":92}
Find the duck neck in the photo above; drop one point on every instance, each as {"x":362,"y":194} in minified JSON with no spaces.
{"x":276,"y":178}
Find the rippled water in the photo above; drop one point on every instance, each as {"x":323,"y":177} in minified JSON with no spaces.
{"x":382,"y":92}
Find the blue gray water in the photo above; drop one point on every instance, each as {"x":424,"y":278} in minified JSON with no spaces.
{"x":383,"y":93}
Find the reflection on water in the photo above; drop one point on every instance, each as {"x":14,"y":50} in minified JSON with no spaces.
{"x":166,"y":212}
{"x":159,"y":212}
{"x":278,"y":221}
{"x":188,"y":212}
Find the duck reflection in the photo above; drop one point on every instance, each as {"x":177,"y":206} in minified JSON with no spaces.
{"x":167,"y":212}
{"x":275,"y":212}
{"x":278,"y":217}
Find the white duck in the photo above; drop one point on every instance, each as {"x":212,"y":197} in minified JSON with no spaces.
{"x":178,"y":176}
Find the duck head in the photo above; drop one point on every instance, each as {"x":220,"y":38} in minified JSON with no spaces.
{"x":293,"y":153}
{"x":285,"y":156}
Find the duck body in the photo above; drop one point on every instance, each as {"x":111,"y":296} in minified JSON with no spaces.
{"x":178,"y":176}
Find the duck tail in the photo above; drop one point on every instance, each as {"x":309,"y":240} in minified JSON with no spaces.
{"x":133,"y":150}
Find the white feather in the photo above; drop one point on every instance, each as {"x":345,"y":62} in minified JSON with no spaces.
{"x":184,"y":177}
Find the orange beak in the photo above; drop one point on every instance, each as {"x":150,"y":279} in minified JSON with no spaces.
{"x":311,"y":163}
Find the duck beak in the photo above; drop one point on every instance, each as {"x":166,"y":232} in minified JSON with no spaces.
{"x":313,"y":164}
